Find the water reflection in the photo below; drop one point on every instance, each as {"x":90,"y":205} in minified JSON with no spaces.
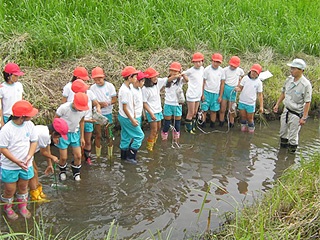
{"x":167,"y":189}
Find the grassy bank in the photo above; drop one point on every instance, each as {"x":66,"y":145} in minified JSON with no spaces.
{"x":288,"y":211}
{"x":42,"y":33}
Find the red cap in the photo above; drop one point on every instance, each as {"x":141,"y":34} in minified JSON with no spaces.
{"x":141,"y":75}
{"x":81,"y":72}
{"x":234,"y":61}
{"x":129,"y":70}
{"x":79,"y":86}
{"x":175,"y":66}
{"x":217,"y":57}
{"x":61,"y":127}
{"x":151,"y":72}
{"x":97,"y":72}
{"x":80,"y":101}
{"x":197,"y":57}
{"x":23,"y":108}
{"x":257,"y":68}
{"x":13,"y":69}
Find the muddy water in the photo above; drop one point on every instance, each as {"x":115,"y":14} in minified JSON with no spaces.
{"x":167,"y":189}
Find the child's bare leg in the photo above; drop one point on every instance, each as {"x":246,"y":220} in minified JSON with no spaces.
{"x":223,"y":108}
{"x":22,"y":197}
{"x":87,"y":147}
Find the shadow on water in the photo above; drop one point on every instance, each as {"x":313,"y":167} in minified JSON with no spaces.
{"x":166,"y":190}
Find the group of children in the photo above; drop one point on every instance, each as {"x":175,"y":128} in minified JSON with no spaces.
{"x":212,"y":89}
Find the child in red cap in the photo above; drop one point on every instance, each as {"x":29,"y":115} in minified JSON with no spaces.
{"x":194,"y":77}
{"x":136,"y":89}
{"x":233,"y":74}
{"x":18,"y":142}
{"x":46,"y":135}
{"x":131,"y":132}
{"x":250,"y":86}
{"x":11,"y":91}
{"x":73,"y":113}
{"x":107,"y":97}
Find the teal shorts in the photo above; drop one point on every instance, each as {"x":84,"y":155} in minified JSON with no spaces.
{"x":246,"y":107}
{"x":88,"y":127}
{"x":11,"y":176}
{"x":170,"y":110}
{"x":211,"y":102}
{"x":229,"y":94}
{"x":5,"y":119}
{"x":73,"y":140}
{"x":159,"y":117}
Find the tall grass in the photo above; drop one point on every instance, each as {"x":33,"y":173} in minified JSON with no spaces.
{"x":58,"y":29}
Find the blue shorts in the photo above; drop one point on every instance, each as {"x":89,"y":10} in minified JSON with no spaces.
{"x":11,"y":176}
{"x":229,"y":94}
{"x":88,"y":127}
{"x":73,"y":140}
{"x":159,"y":117}
{"x":170,"y":110}
{"x":211,"y":102}
{"x":246,"y":107}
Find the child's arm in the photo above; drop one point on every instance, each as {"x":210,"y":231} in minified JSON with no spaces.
{"x":147,"y":108}
{"x":9,"y":155}
{"x":81,"y":123}
{"x":221,"y":90}
{"x":96,"y":104}
{"x":126,"y":111}
{"x":203,"y":85}
{"x":1,"y":115}
{"x":260,"y":97}
{"x":63,"y":100}
{"x":47,"y":153}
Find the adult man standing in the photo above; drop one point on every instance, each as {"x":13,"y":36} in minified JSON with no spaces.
{"x":296,"y":96}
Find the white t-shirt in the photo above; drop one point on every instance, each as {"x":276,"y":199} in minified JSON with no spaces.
{"x":44,"y":138}
{"x":195,"y":83}
{"x":137,"y":100}
{"x":67,"y":92}
{"x":250,"y":89}
{"x":70,"y":115}
{"x":213,"y":77}
{"x":151,"y":95}
{"x":104,"y":93}
{"x":17,"y":139}
{"x":232,"y":76}
{"x":125,"y":96}
{"x":171,"y":92}
{"x":10,"y":94}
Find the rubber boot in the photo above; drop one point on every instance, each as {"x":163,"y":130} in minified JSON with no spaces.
{"x":87,"y":156}
{"x":284,"y":143}
{"x":164,"y":135}
{"x":131,"y":156}
{"x":176,"y":136}
{"x":194,"y":125}
{"x":7,"y":207}
{"x":63,"y":172}
{"x":98,"y":151}
{"x":123,"y":154}
{"x":42,"y":195}
{"x":156,"y":138}
{"x":212,"y":124}
{"x":35,"y":195}
{"x":292,"y":148}
{"x":22,"y":200}
{"x":110,"y":151}
{"x":188,"y":126}
{"x":76,"y":171}
{"x":150,"y":144}
{"x":251,"y":127}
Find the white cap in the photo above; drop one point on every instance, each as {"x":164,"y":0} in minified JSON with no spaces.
{"x":298,"y":63}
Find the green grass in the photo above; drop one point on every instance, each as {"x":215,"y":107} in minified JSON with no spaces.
{"x":44,"y":32}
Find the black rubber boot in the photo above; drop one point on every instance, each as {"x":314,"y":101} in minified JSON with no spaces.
{"x":63,"y":172}
{"x":284,"y":143}
{"x":131,"y":156}
{"x":123,"y":154}
{"x":76,"y":171}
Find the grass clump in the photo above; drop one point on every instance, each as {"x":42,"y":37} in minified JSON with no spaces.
{"x":288,"y":211}
{"x":50,"y":31}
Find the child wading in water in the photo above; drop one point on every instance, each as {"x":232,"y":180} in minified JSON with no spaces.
{"x":212,"y":77}
{"x":173,"y":102}
{"x":107,"y":97}
{"x":233,"y":74}
{"x":18,"y":142}
{"x":194,"y":77}
{"x":250,"y":86}
{"x":10,"y":92}
{"x":152,"y":104}
{"x":131,"y":132}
